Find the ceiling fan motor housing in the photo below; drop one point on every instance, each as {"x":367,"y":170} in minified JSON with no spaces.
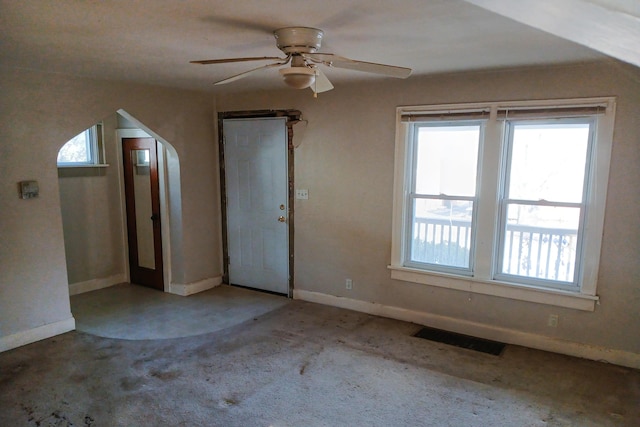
{"x":298,"y":39}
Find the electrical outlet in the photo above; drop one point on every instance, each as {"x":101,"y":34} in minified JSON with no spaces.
{"x":349,"y":284}
{"x":552,"y":321}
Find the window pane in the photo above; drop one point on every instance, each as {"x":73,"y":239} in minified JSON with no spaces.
{"x":548,"y":162}
{"x":441,"y":232}
{"x":77,"y":150}
{"x":447,"y":160}
{"x":541,"y":242}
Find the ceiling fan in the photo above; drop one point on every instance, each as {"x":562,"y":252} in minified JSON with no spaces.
{"x":301,"y":45}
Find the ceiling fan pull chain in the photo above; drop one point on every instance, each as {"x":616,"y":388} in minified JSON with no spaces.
{"x":315,"y":86}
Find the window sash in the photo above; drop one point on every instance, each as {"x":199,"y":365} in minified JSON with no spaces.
{"x":504,"y":203}
{"x":454,"y":228}
{"x":412,"y":196}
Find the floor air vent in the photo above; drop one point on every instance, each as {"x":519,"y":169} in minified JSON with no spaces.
{"x":459,"y":340}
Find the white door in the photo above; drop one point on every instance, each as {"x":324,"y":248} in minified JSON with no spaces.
{"x":256,"y":174}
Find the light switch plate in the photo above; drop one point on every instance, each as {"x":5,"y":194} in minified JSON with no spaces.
{"x":302,"y":194}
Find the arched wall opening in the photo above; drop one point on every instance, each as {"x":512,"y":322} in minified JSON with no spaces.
{"x":94,"y":215}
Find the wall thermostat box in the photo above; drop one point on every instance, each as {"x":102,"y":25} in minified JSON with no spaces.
{"x":29,"y":189}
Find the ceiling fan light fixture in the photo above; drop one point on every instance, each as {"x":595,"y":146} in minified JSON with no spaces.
{"x":298,"y":77}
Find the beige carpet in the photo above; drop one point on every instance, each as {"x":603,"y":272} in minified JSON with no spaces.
{"x":306,"y":365}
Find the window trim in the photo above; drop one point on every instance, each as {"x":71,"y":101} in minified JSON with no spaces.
{"x":490,"y":169}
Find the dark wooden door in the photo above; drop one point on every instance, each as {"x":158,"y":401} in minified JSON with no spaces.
{"x":143,"y":211}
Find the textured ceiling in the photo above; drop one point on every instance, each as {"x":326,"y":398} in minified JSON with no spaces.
{"x":152,"y":41}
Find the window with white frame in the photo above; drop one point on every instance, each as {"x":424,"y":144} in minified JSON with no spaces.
{"x":543,"y":200}
{"x":504,"y":199}
{"x":85,"y":149}
{"x":442,"y":195}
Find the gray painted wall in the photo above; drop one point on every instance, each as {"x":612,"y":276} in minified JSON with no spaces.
{"x":346,"y":161}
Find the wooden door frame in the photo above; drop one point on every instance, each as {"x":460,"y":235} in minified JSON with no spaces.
{"x":293,"y":117}
{"x":157,"y":274}
{"x":167,"y":197}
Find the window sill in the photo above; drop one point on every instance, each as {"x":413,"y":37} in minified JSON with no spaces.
{"x":528,"y":293}
{"x":102,"y":165}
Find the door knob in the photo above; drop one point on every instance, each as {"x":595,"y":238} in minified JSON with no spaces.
{"x":281,"y":219}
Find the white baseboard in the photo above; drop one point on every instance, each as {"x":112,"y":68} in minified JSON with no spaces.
{"x":195,"y":287}
{"x":95,"y":284}
{"x":525,"y":339}
{"x":36,"y":334}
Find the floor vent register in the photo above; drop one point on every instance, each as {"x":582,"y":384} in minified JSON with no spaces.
{"x":460,"y":340}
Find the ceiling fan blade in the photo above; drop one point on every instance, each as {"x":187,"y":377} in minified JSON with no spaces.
{"x":224,"y":23}
{"x":248,"y":73}
{"x":336,"y":61}
{"x":227,"y":60}
{"x":322,"y":83}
